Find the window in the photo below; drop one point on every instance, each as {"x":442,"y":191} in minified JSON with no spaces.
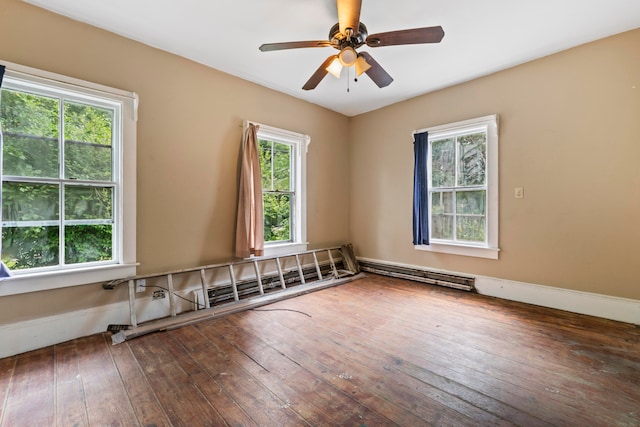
{"x":278,"y":194}
{"x":283,"y":165}
{"x":463,"y":188}
{"x":67,"y":194}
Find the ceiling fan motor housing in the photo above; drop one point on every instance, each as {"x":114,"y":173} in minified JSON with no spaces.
{"x":340,"y":40}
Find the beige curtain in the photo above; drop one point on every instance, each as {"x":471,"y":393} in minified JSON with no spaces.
{"x":250,"y":223}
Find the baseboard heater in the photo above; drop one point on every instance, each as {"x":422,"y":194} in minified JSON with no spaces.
{"x":246,"y":289}
{"x":464,"y":283}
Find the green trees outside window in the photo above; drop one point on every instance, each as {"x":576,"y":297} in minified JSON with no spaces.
{"x":57,"y":180}
{"x":277,"y":190}
{"x":458,"y":188}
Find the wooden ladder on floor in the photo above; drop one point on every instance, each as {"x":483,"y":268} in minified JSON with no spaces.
{"x":286,"y":276}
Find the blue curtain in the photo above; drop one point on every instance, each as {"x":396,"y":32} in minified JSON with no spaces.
{"x":1,"y":73}
{"x":420,"y":189}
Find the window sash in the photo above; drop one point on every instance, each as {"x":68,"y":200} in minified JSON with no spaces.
{"x":271,"y":173}
{"x":65,"y":96}
{"x":455,"y":215}
{"x":456,"y":188}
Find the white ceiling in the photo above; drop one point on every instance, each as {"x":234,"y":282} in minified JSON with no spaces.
{"x":481,"y":37}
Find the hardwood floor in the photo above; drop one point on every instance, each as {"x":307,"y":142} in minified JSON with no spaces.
{"x":374,"y":352}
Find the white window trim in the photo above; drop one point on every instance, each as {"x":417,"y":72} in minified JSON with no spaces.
{"x":491,"y":249}
{"x":300,"y":143}
{"x":125,"y":263}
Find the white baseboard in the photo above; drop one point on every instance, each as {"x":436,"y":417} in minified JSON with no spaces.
{"x":605,"y":306}
{"x":29,"y":335}
{"x":21,"y":337}
{"x":608,"y":307}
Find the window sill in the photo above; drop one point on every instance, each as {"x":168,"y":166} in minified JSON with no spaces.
{"x":464,"y":250}
{"x":26,"y":283}
{"x":284,"y":248}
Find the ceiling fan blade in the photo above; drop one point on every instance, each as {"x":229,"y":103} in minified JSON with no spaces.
{"x":319,"y":74}
{"x":349,"y":15}
{"x":379,"y":76}
{"x":413,"y":36}
{"x":294,"y":45}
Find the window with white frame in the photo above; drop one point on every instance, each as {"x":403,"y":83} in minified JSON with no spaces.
{"x":463,"y":188}
{"x":283,"y":168}
{"x":68,"y":195}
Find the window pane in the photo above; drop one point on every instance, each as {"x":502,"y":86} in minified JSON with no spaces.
{"x":30,"y":247}
{"x":443,"y":163}
{"x":88,"y":202}
{"x":442,"y":215}
{"x":281,"y":167}
{"x":471,"y":228}
{"x":88,"y":136}
{"x":277,"y":217}
{"x":87,"y":243}
{"x":473,"y":159}
{"x":30,"y":126}
{"x":29,"y":202}
{"x":266,"y":162}
{"x":471,"y":202}
{"x":471,"y":209}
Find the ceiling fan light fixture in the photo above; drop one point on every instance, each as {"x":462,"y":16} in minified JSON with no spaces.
{"x":335,"y":68}
{"x":348,"y":56}
{"x":361,"y":65}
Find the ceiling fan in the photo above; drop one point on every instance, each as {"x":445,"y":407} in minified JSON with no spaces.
{"x":347,"y":36}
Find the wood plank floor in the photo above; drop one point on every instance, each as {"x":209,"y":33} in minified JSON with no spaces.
{"x":374,"y":352}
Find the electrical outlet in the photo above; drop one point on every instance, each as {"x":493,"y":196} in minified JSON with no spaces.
{"x":519,"y":193}
{"x":141,"y":285}
{"x":158,"y":294}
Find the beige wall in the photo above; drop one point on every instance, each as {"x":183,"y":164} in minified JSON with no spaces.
{"x":569,"y":134}
{"x":189,"y":133}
